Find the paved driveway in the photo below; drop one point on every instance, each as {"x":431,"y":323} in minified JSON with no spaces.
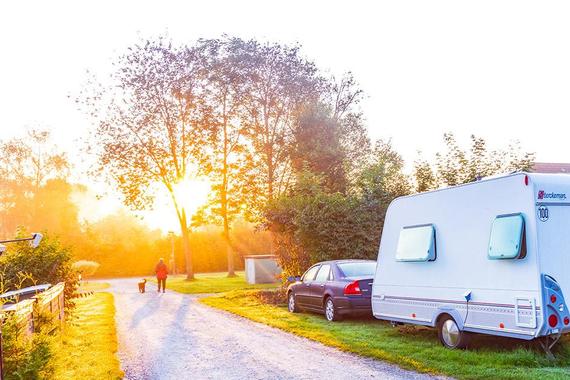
{"x":173,"y":336}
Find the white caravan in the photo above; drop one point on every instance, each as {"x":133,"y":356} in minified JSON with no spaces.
{"x":488,"y":257}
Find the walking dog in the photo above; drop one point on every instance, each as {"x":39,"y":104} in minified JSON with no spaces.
{"x":142,"y":284}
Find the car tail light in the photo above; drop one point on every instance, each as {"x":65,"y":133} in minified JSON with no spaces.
{"x":352,"y":289}
{"x":553,"y":320}
{"x":566,"y":320}
{"x":553,"y":298}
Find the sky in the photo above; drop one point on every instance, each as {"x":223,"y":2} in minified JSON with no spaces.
{"x":497,"y":69}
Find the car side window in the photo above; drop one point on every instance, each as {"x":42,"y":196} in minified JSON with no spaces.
{"x":324,"y":273}
{"x":310,"y":274}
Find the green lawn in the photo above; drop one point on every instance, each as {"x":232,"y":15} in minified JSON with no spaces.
{"x":89,"y":342}
{"x":211,"y":283}
{"x":88,"y":286}
{"x":415,"y":348}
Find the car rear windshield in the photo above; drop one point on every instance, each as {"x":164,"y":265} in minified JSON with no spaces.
{"x":358,"y":269}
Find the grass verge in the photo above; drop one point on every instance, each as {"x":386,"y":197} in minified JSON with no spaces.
{"x":88,"y":286}
{"x":410,"y":347}
{"x":211,"y":283}
{"x":89,"y":342}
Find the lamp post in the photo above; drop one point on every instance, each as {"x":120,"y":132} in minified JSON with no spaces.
{"x":34,"y":242}
{"x":172,"y":257}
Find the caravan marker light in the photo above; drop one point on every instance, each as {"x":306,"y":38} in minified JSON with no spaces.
{"x":553,"y":298}
{"x":566,"y":320}
{"x":553,"y":320}
{"x":352,"y":289}
{"x":526,"y":180}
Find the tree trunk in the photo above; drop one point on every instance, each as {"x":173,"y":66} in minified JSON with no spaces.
{"x":186,"y":245}
{"x":229,"y":250}
{"x":224,"y":200}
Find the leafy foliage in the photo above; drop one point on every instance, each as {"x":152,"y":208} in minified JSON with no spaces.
{"x":457,"y":166}
{"x":33,"y":172}
{"x":28,"y":357}
{"x":312,"y":223}
{"x":49,"y":263}
{"x":85,"y":267}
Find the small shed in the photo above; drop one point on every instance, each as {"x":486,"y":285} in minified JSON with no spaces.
{"x":261,"y":269}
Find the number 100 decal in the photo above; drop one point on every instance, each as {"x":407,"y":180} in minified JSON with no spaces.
{"x":543,"y":213}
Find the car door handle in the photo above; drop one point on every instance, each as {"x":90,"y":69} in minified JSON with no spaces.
{"x":322,"y":285}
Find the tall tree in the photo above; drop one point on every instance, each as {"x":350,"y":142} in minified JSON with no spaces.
{"x":424,"y":176}
{"x":151,"y":122}
{"x":229,"y":160}
{"x":316,"y":147}
{"x":457,"y":165}
{"x":26,"y":165}
{"x":279,"y":82}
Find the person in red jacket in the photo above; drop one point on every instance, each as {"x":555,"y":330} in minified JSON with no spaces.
{"x":161,"y":274}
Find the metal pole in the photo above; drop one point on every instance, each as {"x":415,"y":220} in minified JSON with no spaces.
{"x":1,"y":351}
{"x":16,"y":240}
{"x":172,"y":252}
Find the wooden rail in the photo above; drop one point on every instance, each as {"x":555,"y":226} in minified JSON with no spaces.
{"x":51,"y":301}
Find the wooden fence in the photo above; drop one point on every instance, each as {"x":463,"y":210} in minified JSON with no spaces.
{"x":49,"y":302}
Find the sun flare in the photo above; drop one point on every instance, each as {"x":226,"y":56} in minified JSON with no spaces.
{"x":191,"y":194}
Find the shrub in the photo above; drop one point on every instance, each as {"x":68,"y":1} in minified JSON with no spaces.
{"x":85,"y":267}
{"x":28,"y":356}
{"x":50,"y":263}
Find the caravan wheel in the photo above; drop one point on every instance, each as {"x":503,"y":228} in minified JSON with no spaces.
{"x":450,"y":335}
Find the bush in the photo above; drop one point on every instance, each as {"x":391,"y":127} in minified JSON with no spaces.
{"x":85,"y":267}
{"x":28,"y":357}
{"x":272,"y":296}
{"x":50,"y":263}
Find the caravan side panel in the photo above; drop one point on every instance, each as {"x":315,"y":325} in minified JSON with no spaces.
{"x":505,"y":294}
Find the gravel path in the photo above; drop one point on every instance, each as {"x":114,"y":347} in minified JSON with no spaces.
{"x":173,"y":336}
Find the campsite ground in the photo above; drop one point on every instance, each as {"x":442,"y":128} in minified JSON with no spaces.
{"x":410,"y":347}
{"x":168,"y":334}
{"x":173,"y":335}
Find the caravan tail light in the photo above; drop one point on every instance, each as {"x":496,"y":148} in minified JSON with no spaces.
{"x":553,"y":298}
{"x":566,"y":321}
{"x":553,"y":320}
{"x":526,"y":180}
{"x":352,"y":289}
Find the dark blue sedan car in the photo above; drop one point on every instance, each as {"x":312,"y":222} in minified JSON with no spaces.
{"x":335,"y":288}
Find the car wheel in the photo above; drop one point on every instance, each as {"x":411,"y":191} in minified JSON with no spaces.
{"x":450,"y":335}
{"x":331,"y":313}
{"x":292,"y":304}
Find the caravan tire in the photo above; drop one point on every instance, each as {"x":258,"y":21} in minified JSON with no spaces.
{"x":450,"y":335}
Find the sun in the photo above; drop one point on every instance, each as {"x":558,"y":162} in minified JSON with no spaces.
{"x":191,"y":194}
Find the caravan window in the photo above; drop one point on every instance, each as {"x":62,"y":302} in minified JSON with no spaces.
{"x":507,"y":237}
{"x":416,"y":243}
